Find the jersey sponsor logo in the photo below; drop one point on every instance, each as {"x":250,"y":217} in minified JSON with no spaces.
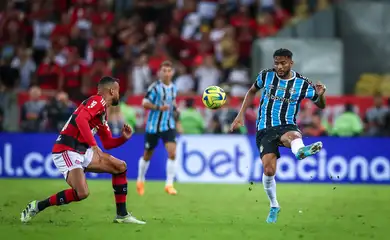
{"x":283,"y":99}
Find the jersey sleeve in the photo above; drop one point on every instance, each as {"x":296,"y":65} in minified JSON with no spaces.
{"x":311,"y":93}
{"x":151,"y":94}
{"x":260,"y":79}
{"x":108,"y":141}
{"x":95,"y":106}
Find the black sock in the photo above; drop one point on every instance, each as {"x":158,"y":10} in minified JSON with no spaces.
{"x":43,"y":204}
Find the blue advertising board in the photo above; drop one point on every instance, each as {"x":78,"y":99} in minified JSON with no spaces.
{"x":215,"y":159}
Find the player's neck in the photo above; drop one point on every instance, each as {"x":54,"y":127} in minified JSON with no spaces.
{"x":166,"y":83}
{"x":108,"y":103}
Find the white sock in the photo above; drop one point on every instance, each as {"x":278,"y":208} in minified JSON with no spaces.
{"x":269,"y":184}
{"x":171,"y":171}
{"x":142,"y":169}
{"x":296,"y":144}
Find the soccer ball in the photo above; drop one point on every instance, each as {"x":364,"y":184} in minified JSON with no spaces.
{"x":214,"y":97}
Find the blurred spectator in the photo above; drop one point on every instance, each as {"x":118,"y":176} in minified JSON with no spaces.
{"x":191,"y":119}
{"x":32,"y":112}
{"x":184,"y":82}
{"x":266,"y":25}
{"x":1,"y":118}
{"x":57,"y":112}
{"x":315,"y":128}
{"x":347,"y":124}
{"x":229,"y":50}
{"x":192,"y":22}
{"x":49,"y":73}
{"x":42,"y":28}
{"x":226,"y":115}
{"x":129,"y":115}
{"x":207,"y":74}
{"x":239,"y":81}
{"x":95,"y":73}
{"x":25,"y":66}
{"x":216,"y":35}
{"x":141,"y":75}
{"x":74,"y":78}
{"x":375,"y":116}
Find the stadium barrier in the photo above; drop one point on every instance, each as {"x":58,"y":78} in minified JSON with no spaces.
{"x":215,"y":159}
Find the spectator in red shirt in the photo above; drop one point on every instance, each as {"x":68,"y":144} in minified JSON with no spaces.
{"x":101,"y":45}
{"x":74,"y":76}
{"x":96,"y":72}
{"x":266,"y":26}
{"x":242,"y":19}
{"x":49,"y":73}
{"x":102,"y":15}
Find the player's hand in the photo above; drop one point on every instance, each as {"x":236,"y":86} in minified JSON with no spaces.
{"x":320,"y":88}
{"x":237,"y":123}
{"x":97,"y":151}
{"x":127,"y":131}
{"x":164,"y":108}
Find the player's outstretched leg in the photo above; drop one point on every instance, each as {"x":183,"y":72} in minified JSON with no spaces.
{"x":108,"y":164}
{"x":171,"y":168}
{"x":293,"y":139}
{"x":143,"y":165}
{"x":269,"y":183}
{"x":79,"y":191}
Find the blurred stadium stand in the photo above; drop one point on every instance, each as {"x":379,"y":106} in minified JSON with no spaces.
{"x":66,"y":45}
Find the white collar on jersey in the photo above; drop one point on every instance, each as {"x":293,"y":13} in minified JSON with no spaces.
{"x":294,"y":74}
{"x":164,"y":85}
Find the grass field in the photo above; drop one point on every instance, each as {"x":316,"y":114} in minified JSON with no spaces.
{"x":201,"y":212}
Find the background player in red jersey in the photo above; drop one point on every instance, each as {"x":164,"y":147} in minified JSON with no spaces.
{"x":76,"y":151}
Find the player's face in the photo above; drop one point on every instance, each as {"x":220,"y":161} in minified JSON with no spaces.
{"x":115,"y":94}
{"x":282,"y":66}
{"x":166,"y":74}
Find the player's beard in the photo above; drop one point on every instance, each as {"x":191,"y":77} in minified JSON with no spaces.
{"x":284,"y":74}
{"x":115,"y":102}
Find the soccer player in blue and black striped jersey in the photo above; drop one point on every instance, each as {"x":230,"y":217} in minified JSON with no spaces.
{"x":160,"y":99}
{"x":282,"y":92}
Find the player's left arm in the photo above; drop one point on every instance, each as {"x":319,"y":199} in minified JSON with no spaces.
{"x":316,"y":92}
{"x":108,"y":141}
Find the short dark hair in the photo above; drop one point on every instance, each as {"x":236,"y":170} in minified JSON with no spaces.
{"x":166,"y":64}
{"x":106,"y":80}
{"x":283,"y":52}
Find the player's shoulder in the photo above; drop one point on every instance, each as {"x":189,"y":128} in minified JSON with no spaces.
{"x":303,"y":78}
{"x":153,"y":86}
{"x":267,"y":70}
{"x":94,"y":100}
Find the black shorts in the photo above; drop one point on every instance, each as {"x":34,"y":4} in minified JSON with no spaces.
{"x":268,"y":139}
{"x":151,"y":139}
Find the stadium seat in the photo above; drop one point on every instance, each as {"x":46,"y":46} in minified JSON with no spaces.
{"x":385,"y":86}
{"x":368,"y":84}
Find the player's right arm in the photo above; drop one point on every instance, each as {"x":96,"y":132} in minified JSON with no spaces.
{"x":149,"y":101}
{"x":93,"y":107}
{"x":248,"y":100}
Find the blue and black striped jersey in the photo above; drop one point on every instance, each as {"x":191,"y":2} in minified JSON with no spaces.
{"x":160,"y":94}
{"x":281,"y":98}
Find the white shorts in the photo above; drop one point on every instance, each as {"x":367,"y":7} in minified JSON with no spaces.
{"x":69,"y":160}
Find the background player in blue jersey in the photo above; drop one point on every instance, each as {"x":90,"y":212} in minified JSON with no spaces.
{"x":282,"y":92}
{"x":161,"y":101}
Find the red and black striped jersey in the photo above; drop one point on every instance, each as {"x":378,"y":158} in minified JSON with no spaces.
{"x":72,"y":137}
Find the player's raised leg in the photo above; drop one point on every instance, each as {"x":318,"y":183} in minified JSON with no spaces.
{"x":293,"y":140}
{"x":269,"y":183}
{"x":171,"y":167}
{"x":105,"y":163}
{"x":72,"y":170}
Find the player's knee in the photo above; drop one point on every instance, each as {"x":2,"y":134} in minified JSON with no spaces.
{"x":269,"y":170}
{"x":121,"y":167}
{"x":82,"y":193}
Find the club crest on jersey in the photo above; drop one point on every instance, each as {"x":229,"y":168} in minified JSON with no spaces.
{"x":292,"y":91}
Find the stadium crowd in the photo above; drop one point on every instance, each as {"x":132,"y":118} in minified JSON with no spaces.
{"x":57,"y":51}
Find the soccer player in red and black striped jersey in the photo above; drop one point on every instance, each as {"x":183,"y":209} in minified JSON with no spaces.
{"x":75,"y":152}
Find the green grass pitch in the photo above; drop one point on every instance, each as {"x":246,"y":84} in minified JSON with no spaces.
{"x":201,"y":211}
